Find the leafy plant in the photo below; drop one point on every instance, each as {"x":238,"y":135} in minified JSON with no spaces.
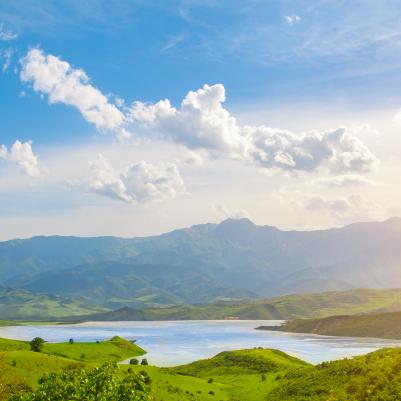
{"x":99,"y":384}
{"x":37,"y":344}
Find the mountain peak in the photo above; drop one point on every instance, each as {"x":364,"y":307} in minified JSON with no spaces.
{"x":238,"y":222}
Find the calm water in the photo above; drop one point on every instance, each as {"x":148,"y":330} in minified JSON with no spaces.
{"x":173,"y":343}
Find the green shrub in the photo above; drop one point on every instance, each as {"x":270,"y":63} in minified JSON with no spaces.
{"x":37,"y":344}
{"x":99,"y":384}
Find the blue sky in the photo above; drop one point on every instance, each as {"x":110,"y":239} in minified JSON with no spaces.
{"x":299,"y":66}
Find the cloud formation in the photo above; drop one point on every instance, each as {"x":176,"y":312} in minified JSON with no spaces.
{"x":64,"y":84}
{"x":140,"y":182}
{"x":203,"y":123}
{"x":228,"y":213}
{"x":22,"y":155}
{"x":6,"y":34}
{"x":350,"y":180}
{"x":292,"y":19}
{"x":200,"y":123}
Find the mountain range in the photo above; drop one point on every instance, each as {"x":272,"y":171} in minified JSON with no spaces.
{"x":233,"y":260}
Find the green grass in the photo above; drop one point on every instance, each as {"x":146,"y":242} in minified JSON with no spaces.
{"x":285,"y":307}
{"x":115,"y":350}
{"x":234,"y":375}
{"x":380,"y":325}
{"x":244,"y":375}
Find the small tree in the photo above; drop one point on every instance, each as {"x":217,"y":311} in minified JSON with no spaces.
{"x":37,"y":344}
{"x":144,"y":361}
{"x":71,"y":341}
{"x":133,"y":361}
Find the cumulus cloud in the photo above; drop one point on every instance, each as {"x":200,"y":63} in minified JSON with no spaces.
{"x":22,"y":155}
{"x":200,"y":123}
{"x":139,"y":182}
{"x":351,"y":180}
{"x":228,"y":213}
{"x":203,"y":123}
{"x":6,"y":34}
{"x":292,"y":19}
{"x":64,"y":84}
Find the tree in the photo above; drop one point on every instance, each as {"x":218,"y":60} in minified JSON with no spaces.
{"x":99,"y":384}
{"x":37,"y":344}
{"x":71,"y":341}
{"x":144,"y":361}
{"x":133,"y":361}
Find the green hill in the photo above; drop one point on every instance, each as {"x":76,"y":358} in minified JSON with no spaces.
{"x":285,"y":307}
{"x":18,"y":304}
{"x":380,"y":325}
{"x":243,"y":375}
{"x":242,"y":362}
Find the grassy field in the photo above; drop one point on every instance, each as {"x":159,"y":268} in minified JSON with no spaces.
{"x":285,"y":307}
{"x":380,"y":325}
{"x":244,"y":375}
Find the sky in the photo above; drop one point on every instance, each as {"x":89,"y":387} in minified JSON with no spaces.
{"x":134,"y":118}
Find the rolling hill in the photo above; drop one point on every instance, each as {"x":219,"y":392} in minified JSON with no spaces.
{"x":281,"y":308}
{"x":380,"y":325}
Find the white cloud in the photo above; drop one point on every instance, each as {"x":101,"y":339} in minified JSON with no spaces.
{"x":6,"y":55}
{"x":353,"y":207}
{"x":139,"y":182}
{"x":6,"y":35}
{"x":202,"y":123}
{"x":65,"y":84}
{"x":292,"y":19}
{"x":228,"y":213}
{"x":22,"y":155}
{"x":345,"y":181}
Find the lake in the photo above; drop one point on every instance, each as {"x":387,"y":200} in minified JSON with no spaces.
{"x":178,"y":342}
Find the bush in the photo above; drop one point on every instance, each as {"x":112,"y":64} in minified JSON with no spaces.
{"x":89,"y":385}
{"x":210,"y":381}
{"x":71,"y":341}
{"x":144,"y":361}
{"x":133,"y":361}
{"x":37,"y":344}
{"x":146,"y":377}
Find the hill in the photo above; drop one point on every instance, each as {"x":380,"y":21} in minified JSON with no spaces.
{"x":235,"y":259}
{"x":380,"y":325}
{"x":18,"y":304}
{"x":280,"y":308}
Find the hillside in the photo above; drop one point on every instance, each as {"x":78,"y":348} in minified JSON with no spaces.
{"x":380,"y":325}
{"x":242,"y":375}
{"x":235,"y":259}
{"x":17,"y":304}
{"x":285,"y":307}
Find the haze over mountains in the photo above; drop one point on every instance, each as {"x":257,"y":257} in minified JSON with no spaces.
{"x":232,"y":260}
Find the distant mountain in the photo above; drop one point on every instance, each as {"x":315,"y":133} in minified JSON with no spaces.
{"x":205,"y":263}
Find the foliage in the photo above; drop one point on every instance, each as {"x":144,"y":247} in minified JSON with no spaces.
{"x":98,"y":384}
{"x":381,"y":325}
{"x":37,"y":344}
{"x":373,"y":377}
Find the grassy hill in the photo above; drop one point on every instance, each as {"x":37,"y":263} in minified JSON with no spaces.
{"x":381,"y":325}
{"x":285,"y":307}
{"x":18,"y":304}
{"x":22,"y":368}
{"x":244,"y":375}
